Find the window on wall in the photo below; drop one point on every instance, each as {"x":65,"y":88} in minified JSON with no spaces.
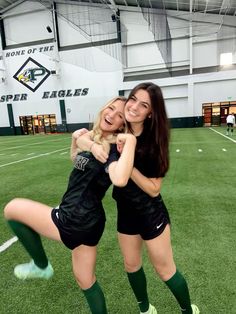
{"x":226,"y":58}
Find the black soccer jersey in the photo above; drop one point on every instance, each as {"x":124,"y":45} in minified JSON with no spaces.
{"x":81,"y":206}
{"x":131,"y":195}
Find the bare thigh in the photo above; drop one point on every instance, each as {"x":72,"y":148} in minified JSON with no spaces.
{"x":161,"y":255}
{"x":33,"y":214}
{"x":131,"y":249}
{"x":84,"y":263}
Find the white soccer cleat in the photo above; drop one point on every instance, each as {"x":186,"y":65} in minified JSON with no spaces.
{"x":31,"y":271}
{"x":195,"y":309}
{"x":151,"y":310}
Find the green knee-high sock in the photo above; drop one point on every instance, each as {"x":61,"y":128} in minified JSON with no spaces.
{"x":178,"y":286}
{"x":138,"y":284}
{"x":96,"y":299}
{"x":31,"y":242}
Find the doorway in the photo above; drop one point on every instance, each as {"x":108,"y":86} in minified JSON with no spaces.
{"x":214,"y":114}
{"x":38,"y":124}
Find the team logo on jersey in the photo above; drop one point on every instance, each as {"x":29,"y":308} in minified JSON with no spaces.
{"x":32,"y":74}
{"x":81,"y":162}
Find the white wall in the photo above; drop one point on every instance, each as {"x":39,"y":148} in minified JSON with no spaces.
{"x":3,"y":116}
{"x":206,"y":30}
{"x":185,"y":95}
{"x":27,"y":22}
{"x":83,"y":23}
{"x":176,"y":100}
{"x":140,"y":47}
{"x":216,"y":91}
{"x":88,"y":68}
{"x":205,"y":54}
{"x":99,"y":68}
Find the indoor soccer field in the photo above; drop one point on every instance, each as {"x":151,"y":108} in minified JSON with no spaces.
{"x":199,"y":192}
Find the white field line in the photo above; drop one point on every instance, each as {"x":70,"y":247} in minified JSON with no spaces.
{"x":16,"y":138}
{"x":229,"y":138}
{"x":36,"y":143}
{"x":7,"y":141}
{"x":25,"y":159}
{"x":8,"y":243}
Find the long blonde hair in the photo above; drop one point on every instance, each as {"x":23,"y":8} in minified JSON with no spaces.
{"x":96,"y":133}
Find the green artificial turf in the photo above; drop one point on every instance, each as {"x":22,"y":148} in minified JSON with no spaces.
{"x":199,"y":192}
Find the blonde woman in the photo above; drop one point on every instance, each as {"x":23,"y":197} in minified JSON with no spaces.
{"x":79,"y":220}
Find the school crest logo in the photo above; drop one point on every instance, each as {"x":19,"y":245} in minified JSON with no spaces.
{"x":32,"y":74}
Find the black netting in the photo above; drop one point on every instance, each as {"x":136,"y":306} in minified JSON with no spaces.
{"x":97,"y":23}
{"x":157,"y":20}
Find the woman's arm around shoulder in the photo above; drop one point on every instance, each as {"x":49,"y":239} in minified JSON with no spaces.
{"x":151,"y":186}
{"x":85,"y":143}
{"x":74,"y":147}
{"x":120,"y":171}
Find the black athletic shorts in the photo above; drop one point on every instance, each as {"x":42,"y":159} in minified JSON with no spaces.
{"x":149,"y":223}
{"x":230,"y":125}
{"x":73,"y":238}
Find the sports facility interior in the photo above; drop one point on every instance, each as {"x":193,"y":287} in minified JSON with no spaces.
{"x":60,"y":62}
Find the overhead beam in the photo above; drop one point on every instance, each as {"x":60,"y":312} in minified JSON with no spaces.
{"x":12,"y":5}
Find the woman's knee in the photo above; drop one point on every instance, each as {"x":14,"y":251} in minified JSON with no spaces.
{"x":165,"y":270}
{"x":84,"y":263}
{"x":85,"y":281}
{"x":132,"y":264}
{"x":10,"y":208}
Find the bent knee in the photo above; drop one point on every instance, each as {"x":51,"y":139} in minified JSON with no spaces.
{"x":10,"y":208}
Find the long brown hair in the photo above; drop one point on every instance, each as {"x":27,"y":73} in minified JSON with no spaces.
{"x":156,"y":128}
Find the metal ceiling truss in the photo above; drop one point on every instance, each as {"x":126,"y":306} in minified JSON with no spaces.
{"x":222,"y":7}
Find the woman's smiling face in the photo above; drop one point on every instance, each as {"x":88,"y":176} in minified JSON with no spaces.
{"x":112,"y":117}
{"x":138,"y":108}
